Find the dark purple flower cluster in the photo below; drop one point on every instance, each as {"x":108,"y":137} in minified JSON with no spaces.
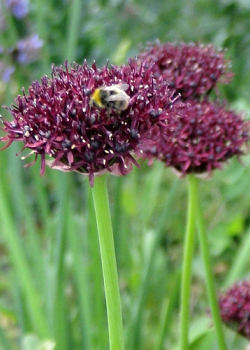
{"x":191,"y":69}
{"x":57,"y":118}
{"x":206,"y":133}
{"x":202,"y":138}
{"x":235,"y":308}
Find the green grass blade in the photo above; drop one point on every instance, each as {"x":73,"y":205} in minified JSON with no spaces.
{"x":77,"y":236}
{"x":74,"y":29}
{"x":22,"y":268}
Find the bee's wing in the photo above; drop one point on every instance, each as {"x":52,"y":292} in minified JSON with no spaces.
{"x":118,"y":97}
{"x":120,"y":86}
{"x":123,"y":86}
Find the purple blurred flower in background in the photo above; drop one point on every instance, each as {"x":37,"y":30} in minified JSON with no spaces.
{"x":24,"y":51}
{"x":19,"y":8}
{"x":27,"y":50}
{"x":6,"y":71}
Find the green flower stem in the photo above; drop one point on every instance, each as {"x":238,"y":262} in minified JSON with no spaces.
{"x":209,"y":276}
{"x":109,"y":268}
{"x":187,"y":262}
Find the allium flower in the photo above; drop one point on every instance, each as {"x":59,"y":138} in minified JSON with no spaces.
{"x":205,"y":135}
{"x":192,"y":69}
{"x":235,"y":308}
{"x":56,"y":118}
{"x":19,"y":8}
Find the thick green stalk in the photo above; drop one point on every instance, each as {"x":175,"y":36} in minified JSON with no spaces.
{"x":209,"y":277}
{"x":187,"y":262}
{"x":109,"y":268}
{"x":98,"y":312}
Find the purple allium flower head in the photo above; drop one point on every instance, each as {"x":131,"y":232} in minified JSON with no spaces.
{"x":192,"y":69}
{"x":57,"y":119}
{"x":19,"y":8}
{"x":205,"y":135}
{"x":235,"y":308}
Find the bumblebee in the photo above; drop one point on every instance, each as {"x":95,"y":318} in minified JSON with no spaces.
{"x":111,"y":97}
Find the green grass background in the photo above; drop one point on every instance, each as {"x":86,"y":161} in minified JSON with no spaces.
{"x":51,"y":287}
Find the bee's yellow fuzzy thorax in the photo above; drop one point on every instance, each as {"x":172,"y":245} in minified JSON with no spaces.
{"x":97,"y":97}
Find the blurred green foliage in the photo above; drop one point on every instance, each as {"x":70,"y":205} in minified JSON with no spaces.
{"x":48,"y":244}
